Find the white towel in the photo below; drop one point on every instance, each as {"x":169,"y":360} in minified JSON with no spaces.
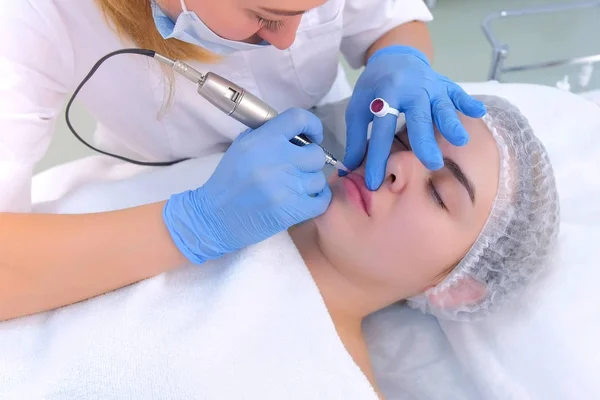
{"x":249,"y":326}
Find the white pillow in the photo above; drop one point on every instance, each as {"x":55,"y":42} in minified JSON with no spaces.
{"x":547,"y":344}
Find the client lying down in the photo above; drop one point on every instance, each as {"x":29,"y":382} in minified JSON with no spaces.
{"x":455,"y":243}
{"x":282,"y":319}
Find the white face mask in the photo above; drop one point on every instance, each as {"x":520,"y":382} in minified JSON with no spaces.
{"x":189,"y":28}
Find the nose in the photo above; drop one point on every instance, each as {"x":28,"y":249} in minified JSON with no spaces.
{"x":401,"y":168}
{"x":283,"y":37}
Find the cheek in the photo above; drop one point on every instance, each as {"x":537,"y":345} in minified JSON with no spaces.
{"x":406,"y":246}
{"x":414,"y":246}
{"x":333,"y":178}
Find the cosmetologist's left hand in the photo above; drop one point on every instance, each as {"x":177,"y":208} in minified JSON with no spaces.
{"x":403,"y":77}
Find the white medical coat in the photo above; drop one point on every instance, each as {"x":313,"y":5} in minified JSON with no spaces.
{"x":48,"y":46}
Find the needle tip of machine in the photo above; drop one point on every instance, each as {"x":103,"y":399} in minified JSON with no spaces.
{"x":339,"y":165}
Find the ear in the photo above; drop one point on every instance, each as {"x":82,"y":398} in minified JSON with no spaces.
{"x":464,"y":292}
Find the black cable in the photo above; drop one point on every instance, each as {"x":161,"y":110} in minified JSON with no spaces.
{"x":144,"y":52}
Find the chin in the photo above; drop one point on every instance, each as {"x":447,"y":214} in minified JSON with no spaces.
{"x":336,"y":225}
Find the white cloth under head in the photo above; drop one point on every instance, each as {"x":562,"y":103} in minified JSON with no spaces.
{"x":64,"y":38}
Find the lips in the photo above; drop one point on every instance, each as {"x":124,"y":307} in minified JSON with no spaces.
{"x":363,"y":192}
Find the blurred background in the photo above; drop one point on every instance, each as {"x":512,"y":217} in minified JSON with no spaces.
{"x":462,"y":53}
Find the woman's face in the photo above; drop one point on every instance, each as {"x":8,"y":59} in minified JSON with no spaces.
{"x":249,"y":21}
{"x":419,"y":223}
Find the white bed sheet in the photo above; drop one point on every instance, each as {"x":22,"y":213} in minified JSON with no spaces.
{"x":592,"y":95}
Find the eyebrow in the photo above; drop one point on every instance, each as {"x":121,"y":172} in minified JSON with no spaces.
{"x":287,"y":13}
{"x":456,"y":170}
{"x":460,"y":177}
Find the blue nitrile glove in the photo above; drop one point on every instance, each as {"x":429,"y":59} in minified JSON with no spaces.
{"x":262,"y":186}
{"x":402,"y":76}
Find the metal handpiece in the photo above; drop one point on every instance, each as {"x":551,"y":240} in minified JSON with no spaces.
{"x":236,"y":102}
{"x":248,"y":109}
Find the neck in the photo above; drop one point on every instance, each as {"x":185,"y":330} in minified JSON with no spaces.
{"x":347,"y":302}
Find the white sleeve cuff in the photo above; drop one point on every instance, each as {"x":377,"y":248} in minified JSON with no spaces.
{"x":367,"y":21}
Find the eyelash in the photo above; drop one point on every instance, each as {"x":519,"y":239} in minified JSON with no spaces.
{"x":435,"y":194}
{"x":431,"y":187}
{"x":269,"y":25}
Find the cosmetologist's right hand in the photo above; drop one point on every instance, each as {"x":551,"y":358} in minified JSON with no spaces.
{"x":263,"y":185}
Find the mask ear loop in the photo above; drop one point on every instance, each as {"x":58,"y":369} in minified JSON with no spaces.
{"x":183,"y":7}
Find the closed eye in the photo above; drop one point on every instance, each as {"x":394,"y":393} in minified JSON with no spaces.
{"x":435,"y":195}
{"x":270,"y":25}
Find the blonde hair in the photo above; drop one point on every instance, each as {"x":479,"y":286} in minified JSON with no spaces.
{"x":133,"y":19}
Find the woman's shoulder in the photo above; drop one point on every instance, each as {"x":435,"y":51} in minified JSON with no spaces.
{"x":47,"y":10}
{"x":57,"y":21}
